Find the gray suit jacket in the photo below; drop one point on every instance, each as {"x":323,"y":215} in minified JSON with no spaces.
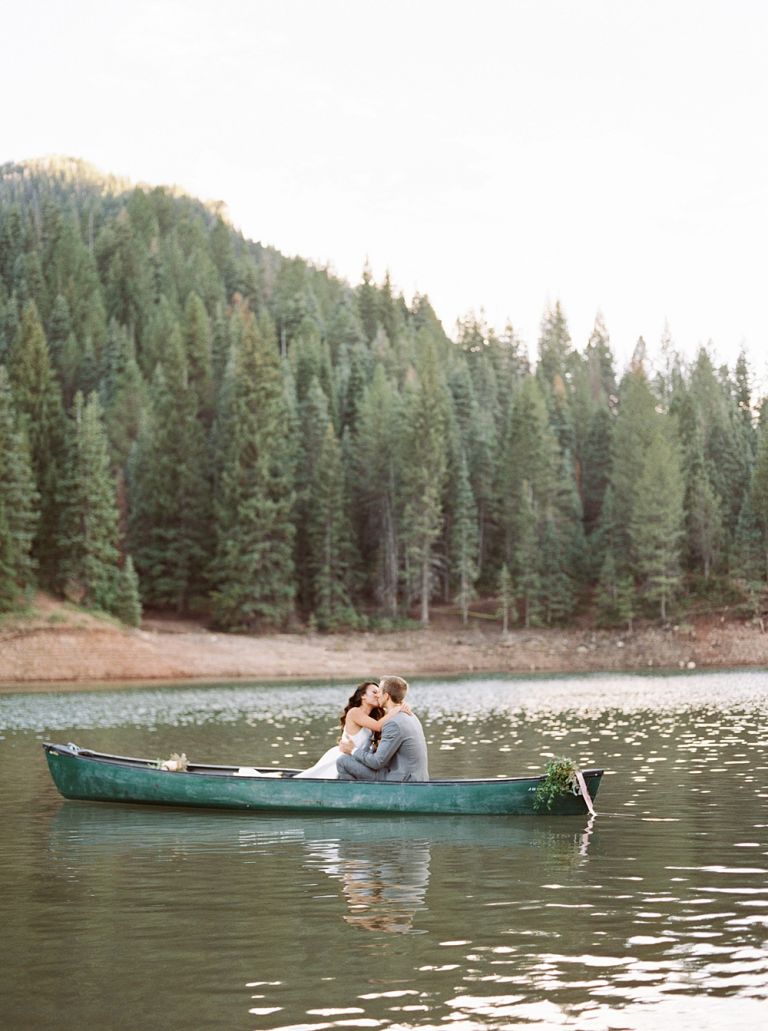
{"x":401,"y":755}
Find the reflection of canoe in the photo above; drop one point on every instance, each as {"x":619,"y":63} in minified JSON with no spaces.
{"x":117,"y":828}
{"x":95,"y":776}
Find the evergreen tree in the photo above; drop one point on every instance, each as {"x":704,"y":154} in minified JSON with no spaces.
{"x":367,"y":303}
{"x":425,"y":473}
{"x":615,"y":595}
{"x":743,"y":397}
{"x":464,"y":539}
{"x":527,"y":555}
{"x":555,"y":348}
{"x":391,"y":311}
{"x":557,"y":593}
{"x":128,"y":603}
{"x":657,"y":522}
{"x":254,"y":534}
{"x":330,"y":540}
{"x":147,"y":298}
{"x":567,"y":517}
{"x":161,"y":325}
{"x":755,"y":522}
{"x":127,"y":285}
{"x":482,"y":462}
{"x":197,"y":348}
{"x":530,"y":458}
{"x":125,"y":407}
{"x":314,"y":418}
{"x":556,"y":360}
{"x":353,"y":388}
{"x":702,"y":506}
{"x":377,"y":450}
{"x":705,"y":523}
{"x":18,"y":503}
{"x":4,"y":302}
{"x":220,"y":349}
{"x":344,"y":329}
{"x":117,"y":350}
{"x":59,"y":330}
{"x":749,"y":558}
{"x":596,"y":467}
{"x":635,"y":428}
{"x":600,"y":365}
{"x":728,"y":458}
{"x":38,"y":404}
{"x":89,"y":531}
{"x":605,"y":537}
{"x":169,"y":486}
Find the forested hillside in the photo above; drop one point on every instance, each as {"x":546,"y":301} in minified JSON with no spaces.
{"x":192,"y":421}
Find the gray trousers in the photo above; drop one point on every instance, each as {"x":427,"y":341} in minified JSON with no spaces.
{"x":352,"y":769}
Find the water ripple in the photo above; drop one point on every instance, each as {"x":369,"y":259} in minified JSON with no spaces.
{"x":656,"y":912}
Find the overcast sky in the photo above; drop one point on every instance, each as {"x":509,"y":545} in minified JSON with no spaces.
{"x":494,"y":155}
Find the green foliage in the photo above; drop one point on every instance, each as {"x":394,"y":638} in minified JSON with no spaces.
{"x":377,"y":468}
{"x":18,"y":503}
{"x":615,"y":595}
{"x":557,"y":594}
{"x":527,"y":559}
{"x":330,"y":558}
{"x":635,"y":428}
{"x":557,"y":781}
{"x":37,"y":401}
{"x":274,"y":438}
{"x":425,"y":471}
{"x":127,"y":605}
{"x":597,"y":466}
{"x":656,"y":526}
{"x":169,"y":480}
{"x":754,"y":529}
{"x":88,"y":540}
{"x":464,"y":538}
{"x":253,"y":566}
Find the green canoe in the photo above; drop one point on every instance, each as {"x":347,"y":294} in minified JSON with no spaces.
{"x":95,"y":776}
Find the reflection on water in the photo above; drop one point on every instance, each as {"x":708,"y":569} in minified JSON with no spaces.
{"x":655,"y":911}
{"x":383,"y":884}
{"x":381,"y":863}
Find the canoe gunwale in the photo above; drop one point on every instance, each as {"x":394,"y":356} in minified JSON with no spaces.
{"x":198,"y":769}
{"x":133,"y":762}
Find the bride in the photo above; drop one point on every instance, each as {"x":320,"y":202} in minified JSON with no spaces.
{"x":362,"y":719}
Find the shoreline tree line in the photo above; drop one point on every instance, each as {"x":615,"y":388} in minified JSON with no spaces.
{"x":191,"y":421}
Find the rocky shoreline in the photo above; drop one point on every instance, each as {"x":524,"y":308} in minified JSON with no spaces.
{"x":61,"y":645}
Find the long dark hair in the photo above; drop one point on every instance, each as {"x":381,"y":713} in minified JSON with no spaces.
{"x":355,"y":700}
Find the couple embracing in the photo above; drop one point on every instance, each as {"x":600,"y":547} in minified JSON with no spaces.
{"x":381,"y":738}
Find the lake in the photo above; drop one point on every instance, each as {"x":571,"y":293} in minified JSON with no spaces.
{"x":654,"y":913}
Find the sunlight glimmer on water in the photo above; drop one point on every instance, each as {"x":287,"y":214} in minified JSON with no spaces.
{"x":654,"y":912}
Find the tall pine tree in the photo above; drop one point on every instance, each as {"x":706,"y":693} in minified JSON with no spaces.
{"x":88,"y":541}
{"x":254,"y":571}
{"x":656,"y":527}
{"x":18,"y":503}
{"x":424,"y":473}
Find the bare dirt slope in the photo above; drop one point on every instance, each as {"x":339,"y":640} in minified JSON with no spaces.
{"x":58,"y":643}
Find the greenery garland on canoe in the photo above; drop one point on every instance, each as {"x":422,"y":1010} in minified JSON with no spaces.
{"x":559,"y":779}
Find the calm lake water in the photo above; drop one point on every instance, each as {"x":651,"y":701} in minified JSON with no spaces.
{"x":653,"y":914}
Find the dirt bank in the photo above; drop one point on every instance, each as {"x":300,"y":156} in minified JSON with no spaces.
{"x":57,"y":643}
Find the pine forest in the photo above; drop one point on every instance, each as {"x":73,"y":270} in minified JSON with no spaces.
{"x":193,"y":422}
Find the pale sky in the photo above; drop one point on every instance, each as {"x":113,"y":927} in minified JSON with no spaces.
{"x":494,"y":155}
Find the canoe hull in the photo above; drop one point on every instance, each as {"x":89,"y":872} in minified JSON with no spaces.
{"x":93,"y":777}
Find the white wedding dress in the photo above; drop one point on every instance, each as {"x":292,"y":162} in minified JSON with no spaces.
{"x":325,"y":767}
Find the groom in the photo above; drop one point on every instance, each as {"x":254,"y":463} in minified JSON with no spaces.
{"x":402,"y":751}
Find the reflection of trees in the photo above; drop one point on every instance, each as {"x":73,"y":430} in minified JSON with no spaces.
{"x":384,"y":883}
